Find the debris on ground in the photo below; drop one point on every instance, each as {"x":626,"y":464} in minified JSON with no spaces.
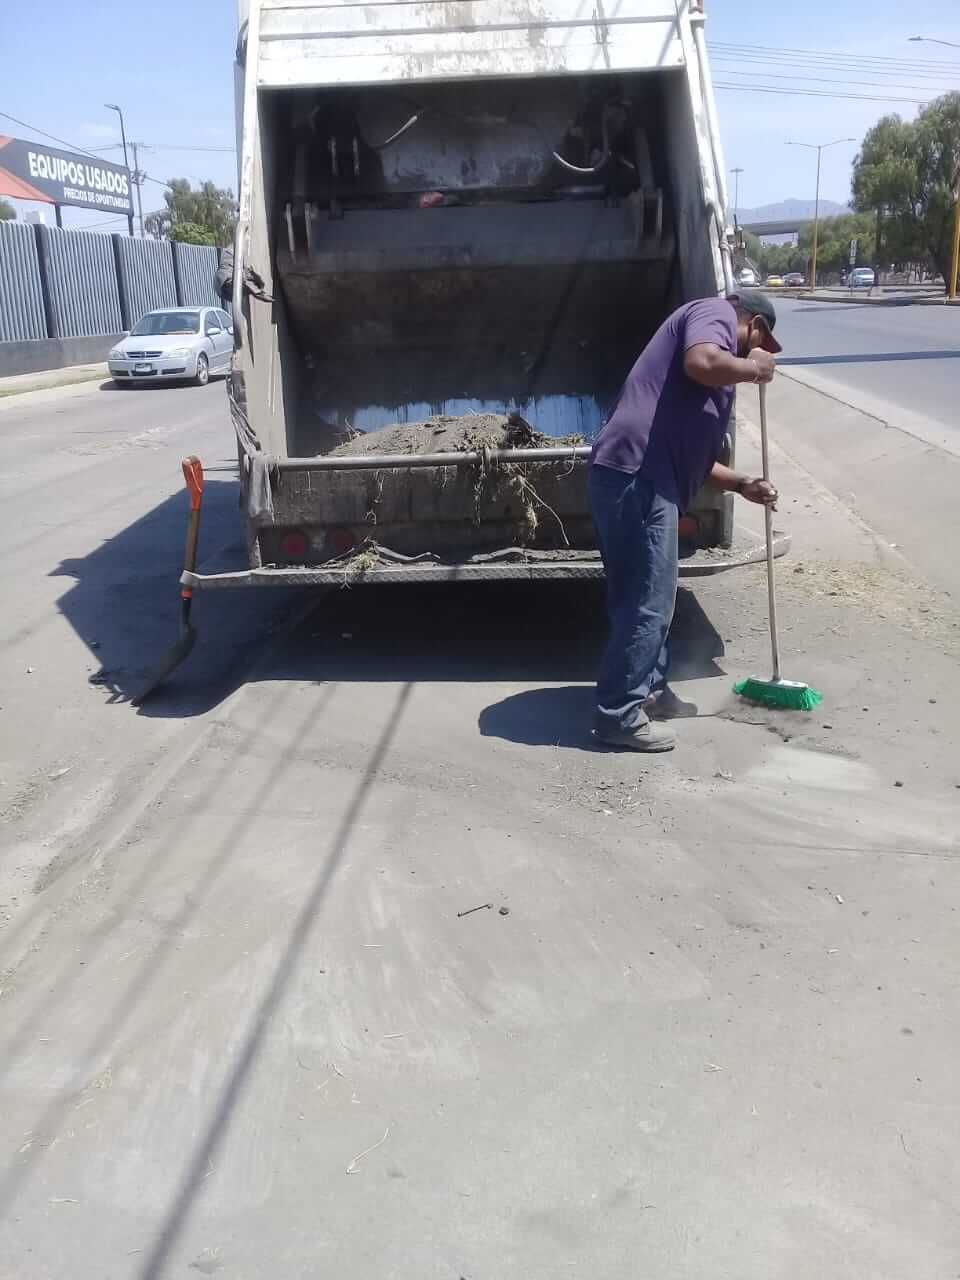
{"x":352,"y":1166}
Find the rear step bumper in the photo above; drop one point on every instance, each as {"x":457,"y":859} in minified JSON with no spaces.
{"x":529,"y":566}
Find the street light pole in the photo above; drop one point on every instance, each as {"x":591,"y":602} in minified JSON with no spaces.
{"x":112,"y":106}
{"x":930,"y":40}
{"x":736,"y":192}
{"x":819,"y":148}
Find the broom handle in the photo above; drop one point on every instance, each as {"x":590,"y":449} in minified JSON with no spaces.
{"x":768,"y":528}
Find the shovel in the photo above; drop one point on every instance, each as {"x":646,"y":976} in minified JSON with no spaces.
{"x":180,"y":651}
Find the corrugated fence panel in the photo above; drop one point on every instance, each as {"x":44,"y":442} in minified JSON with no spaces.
{"x":196,"y":265}
{"x":146,"y":275}
{"x":82,"y":278}
{"x":21,"y":300}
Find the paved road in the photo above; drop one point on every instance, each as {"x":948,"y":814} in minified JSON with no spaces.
{"x":906,"y":357}
{"x":244,"y":1030}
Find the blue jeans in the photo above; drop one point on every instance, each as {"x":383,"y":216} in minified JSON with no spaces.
{"x":637,"y":532}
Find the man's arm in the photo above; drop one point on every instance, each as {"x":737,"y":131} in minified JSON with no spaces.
{"x":753,"y":489}
{"x":711,"y":366}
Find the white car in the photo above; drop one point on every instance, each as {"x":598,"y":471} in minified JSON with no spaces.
{"x":177,"y":342}
{"x":862,"y":278}
{"x":747,"y":278}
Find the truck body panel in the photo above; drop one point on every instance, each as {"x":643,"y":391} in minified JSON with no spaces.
{"x":455,"y":207}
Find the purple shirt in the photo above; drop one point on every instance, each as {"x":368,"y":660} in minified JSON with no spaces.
{"x":664,"y":425}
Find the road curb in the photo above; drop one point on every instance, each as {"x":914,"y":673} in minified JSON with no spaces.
{"x":47,"y":381}
{"x":873,"y":302}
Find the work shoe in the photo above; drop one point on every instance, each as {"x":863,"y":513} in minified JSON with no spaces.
{"x":645,"y":737}
{"x":665,"y":705}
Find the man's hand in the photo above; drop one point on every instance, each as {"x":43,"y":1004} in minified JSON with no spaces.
{"x":711,"y":366}
{"x":760,"y":491}
{"x":765,"y":363}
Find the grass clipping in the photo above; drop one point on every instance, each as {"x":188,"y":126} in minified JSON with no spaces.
{"x":468,"y":434}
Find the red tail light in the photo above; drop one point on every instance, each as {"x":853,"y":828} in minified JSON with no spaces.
{"x":294,"y":545}
{"x":340,"y":540}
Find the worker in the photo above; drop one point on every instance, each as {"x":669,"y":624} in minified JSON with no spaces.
{"x":223,"y":279}
{"x":658,"y":445}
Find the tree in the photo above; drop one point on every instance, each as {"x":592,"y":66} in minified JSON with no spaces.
{"x":7,"y":211}
{"x":908,"y":175}
{"x":208,"y":208}
{"x":192,"y":233}
{"x":833,"y":243}
{"x":157,"y":224}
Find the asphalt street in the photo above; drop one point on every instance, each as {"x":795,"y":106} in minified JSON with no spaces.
{"x":907,"y":357}
{"x":350,"y":956}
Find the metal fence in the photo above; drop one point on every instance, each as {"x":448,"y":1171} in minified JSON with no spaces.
{"x":21,"y":299}
{"x":194,"y":266}
{"x":79,"y":277}
{"x":145,"y":272}
{"x":77,"y":284}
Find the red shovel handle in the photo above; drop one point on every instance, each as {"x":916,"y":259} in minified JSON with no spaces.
{"x":193,"y":475}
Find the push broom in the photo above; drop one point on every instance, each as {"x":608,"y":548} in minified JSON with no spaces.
{"x":792,"y":695}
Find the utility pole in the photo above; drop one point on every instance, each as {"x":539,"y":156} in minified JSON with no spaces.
{"x":736,"y":192}
{"x":819,"y":148}
{"x":112,"y":106}
{"x":138,"y":179}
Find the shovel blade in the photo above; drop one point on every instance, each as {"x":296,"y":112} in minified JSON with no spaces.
{"x":176,"y":654}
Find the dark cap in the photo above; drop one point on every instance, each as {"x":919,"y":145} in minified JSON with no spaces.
{"x":756,"y":303}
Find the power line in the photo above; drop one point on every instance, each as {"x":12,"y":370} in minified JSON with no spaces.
{"x":171,"y":146}
{"x":862,"y":59}
{"x":817,"y":93}
{"x":850,"y":74}
{"x":53,"y":138}
{"x":176,"y":146}
{"x":777,"y":75}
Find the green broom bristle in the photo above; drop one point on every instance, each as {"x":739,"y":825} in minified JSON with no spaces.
{"x":791,"y":695}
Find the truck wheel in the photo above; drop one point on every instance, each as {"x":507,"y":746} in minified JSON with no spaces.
{"x":202,"y":376}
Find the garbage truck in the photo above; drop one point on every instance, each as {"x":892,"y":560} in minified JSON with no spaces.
{"x":459,"y":223}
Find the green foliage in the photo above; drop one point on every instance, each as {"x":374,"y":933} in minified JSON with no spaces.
{"x":908,"y":172}
{"x":833,"y":248}
{"x":192,"y":233}
{"x":205,"y":215}
{"x":7,"y":211}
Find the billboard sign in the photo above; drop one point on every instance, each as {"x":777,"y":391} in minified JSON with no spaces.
{"x":31,"y":171}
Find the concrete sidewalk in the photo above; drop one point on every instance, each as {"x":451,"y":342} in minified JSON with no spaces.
{"x":20,"y":383}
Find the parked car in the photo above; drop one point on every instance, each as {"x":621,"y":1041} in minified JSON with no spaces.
{"x":747,"y":278}
{"x":862,"y":278}
{"x":774,"y":282}
{"x":177,"y":342}
{"x":794,"y":280}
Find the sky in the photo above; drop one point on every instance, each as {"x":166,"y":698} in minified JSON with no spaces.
{"x":170,"y":67}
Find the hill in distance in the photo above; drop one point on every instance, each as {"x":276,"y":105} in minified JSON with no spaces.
{"x":785,"y":209}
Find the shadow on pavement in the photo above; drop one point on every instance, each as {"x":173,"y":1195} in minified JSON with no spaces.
{"x":124,"y":598}
{"x":164,"y":384}
{"x":563,"y":717}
